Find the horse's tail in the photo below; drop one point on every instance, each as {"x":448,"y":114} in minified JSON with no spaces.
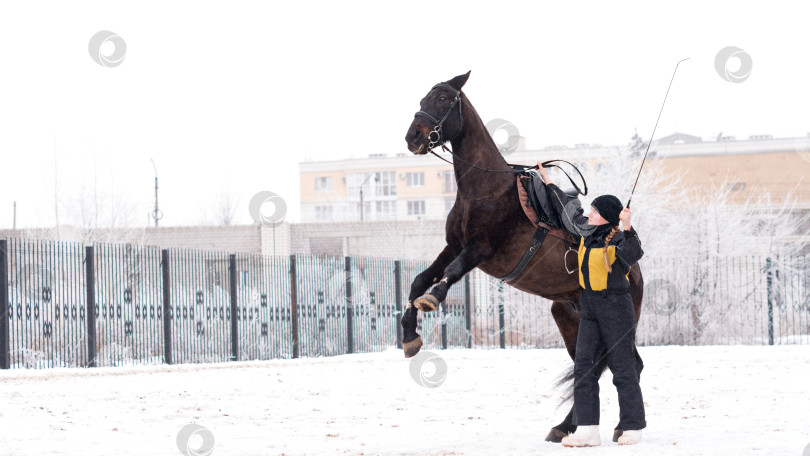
{"x":566,"y":379}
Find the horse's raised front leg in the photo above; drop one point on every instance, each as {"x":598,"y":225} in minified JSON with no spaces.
{"x":471,"y":256}
{"x":411,"y":340}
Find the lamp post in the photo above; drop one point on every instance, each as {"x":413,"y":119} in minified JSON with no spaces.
{"x":361,"y":194}
{"x":156,"y":214}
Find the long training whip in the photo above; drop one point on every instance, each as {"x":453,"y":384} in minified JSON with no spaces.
{"x":653,"y":132}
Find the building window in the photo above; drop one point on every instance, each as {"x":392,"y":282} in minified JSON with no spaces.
{"x":385,"y":183}
{"x":323,"y":184}
{"x":386,"y":210}
{"x":450,"y":182}
{"x":323,"y":212}
{"x":376,"y":185}
{"x":416,"y":179}
{"x":416,"y":207}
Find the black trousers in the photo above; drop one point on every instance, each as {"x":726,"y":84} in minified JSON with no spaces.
{"x":607,"y":321}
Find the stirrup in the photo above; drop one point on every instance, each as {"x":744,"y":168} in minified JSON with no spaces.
{"x":565,"y":260}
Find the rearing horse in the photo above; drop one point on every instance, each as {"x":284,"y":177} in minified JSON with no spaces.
{"x":487,"y":229}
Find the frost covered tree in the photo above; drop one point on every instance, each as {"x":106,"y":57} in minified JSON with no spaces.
{"x":223,"y":209}
{"x":705,"y":247}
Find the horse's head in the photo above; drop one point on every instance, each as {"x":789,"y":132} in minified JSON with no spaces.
{"x":439,"y":117}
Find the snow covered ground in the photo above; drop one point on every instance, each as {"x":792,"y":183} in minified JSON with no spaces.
{"x":740,"y":400}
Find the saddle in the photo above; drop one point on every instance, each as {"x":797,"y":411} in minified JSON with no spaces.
{"x":535,"y":202}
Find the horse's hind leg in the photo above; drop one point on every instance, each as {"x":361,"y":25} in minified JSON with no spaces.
{"x":561,"y":430}
{"x":411,"y":340}
{"x":566,"y":316}
{"x":567,"y":426}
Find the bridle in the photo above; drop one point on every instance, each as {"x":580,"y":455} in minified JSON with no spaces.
{"x":437,"y":129}
{"x":514,"y":168}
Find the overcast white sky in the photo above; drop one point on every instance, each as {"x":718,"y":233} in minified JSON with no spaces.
{"x":233,"y":95}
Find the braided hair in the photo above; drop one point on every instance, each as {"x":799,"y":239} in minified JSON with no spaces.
{"x":613,"y":231}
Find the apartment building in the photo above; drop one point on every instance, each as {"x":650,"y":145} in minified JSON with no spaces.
{"x":403,"y":186}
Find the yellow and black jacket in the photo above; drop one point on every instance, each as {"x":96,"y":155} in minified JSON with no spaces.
{"x":623,"y":251}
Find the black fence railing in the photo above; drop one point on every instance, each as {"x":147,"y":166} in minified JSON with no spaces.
{"x":70,"y":305}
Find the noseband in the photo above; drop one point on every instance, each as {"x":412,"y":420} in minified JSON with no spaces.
{"x":437,"y":130}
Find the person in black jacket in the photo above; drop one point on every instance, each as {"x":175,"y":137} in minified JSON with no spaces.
{"x":607,"y":317}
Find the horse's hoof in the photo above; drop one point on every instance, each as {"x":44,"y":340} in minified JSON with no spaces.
{"x":412,"y":347}
{"x":616,"y":434}
{"x":426,"y":303}
{"x":555,"y":435}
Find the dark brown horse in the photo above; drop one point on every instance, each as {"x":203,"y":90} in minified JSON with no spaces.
{"x":487,"y":229}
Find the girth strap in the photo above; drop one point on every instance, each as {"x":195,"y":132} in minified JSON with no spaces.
{"x":534,"y":246}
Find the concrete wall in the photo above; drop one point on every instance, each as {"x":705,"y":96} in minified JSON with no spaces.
{"x":403,"y":239}
{"x":421,"y":240}
{"x":406,"y":240}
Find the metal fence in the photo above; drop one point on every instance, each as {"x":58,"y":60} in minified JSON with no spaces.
{"x":70,"y":305}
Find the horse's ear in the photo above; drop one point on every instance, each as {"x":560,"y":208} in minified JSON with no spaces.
{"x":459,"y":81}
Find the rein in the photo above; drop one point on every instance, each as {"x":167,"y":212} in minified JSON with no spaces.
{"x":518,"y":168}
{"x":515,"y":168}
